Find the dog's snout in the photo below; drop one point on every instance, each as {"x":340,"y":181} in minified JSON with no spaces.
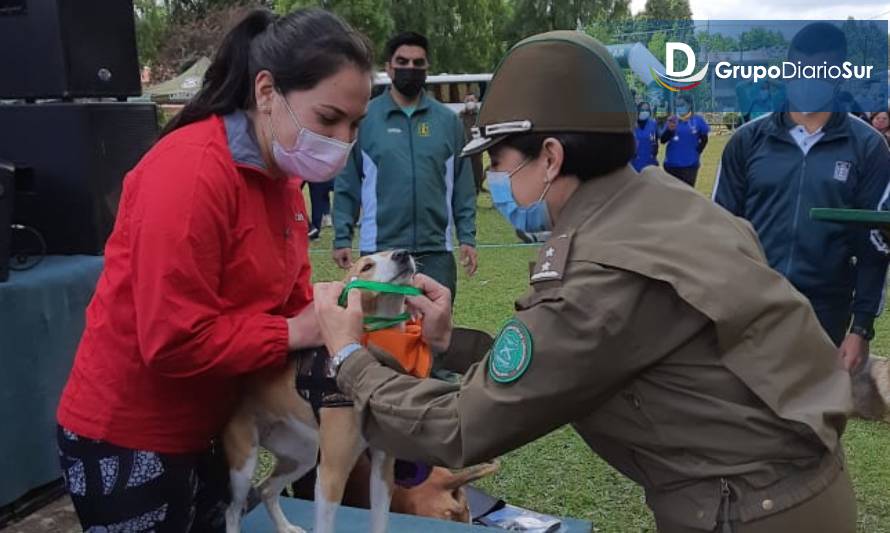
{"x":401,"y":256}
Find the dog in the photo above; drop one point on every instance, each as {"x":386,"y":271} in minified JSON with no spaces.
{"x":442,"y":495}
{"x":871,"y":389}
{"x":274,"y":415}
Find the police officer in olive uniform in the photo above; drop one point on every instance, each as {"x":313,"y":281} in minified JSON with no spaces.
{"x":653,"y":324}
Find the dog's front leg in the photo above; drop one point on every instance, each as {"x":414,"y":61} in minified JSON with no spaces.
{"x":382,"y":473}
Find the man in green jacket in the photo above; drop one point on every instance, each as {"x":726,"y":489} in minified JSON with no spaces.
{"x":405,"y":177}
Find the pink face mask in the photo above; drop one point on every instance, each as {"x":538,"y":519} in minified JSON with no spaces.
{"x":313,"y":157}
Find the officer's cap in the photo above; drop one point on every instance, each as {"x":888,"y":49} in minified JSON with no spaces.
{"x":561,"y":81}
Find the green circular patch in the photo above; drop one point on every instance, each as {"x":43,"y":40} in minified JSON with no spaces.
{"x":511,"y":353}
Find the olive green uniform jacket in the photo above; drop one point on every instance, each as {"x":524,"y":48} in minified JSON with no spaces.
{"x":654,"y":326}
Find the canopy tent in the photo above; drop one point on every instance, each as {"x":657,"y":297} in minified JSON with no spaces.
{"x":182,"y":87}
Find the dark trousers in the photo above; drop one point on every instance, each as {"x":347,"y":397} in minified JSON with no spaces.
{"x":478,"y":173}
{"x":440,"y":266}
{"x":119,"y":489}
{"x":320,"y":197}
{"x":834,"y":317}
{"x":687,"y":175}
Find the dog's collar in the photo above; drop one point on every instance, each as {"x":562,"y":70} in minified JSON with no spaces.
{"x":373,"y":323}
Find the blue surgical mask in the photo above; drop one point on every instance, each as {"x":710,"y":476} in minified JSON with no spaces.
{"x":532,"y":218}
{"x":644,"y":115}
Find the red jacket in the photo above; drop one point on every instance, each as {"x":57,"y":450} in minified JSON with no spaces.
{"x":207,"y":258}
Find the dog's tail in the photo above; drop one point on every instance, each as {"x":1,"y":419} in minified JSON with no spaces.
{"x":471,"y":474}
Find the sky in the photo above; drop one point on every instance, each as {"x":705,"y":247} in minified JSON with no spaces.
{"x":782,"y":9}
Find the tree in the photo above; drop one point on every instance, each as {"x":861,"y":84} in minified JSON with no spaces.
{"x":151,"y":29}
{"x":371,"y":17}
{"x":184,"y":11}
{"x":717,"y":42}
{"x":188,"y":40}
{"x":667,"y":10}
{"x":758,"y":37}
{"x":537,"y":16}
{"x":464,"y":35}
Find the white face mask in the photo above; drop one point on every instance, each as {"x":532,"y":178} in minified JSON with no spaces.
{"x":314,"y":157}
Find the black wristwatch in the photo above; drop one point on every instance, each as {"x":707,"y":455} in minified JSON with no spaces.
{"x":866,"y":333}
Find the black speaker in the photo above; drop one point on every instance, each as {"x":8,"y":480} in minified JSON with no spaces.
{"x":68,"y":49}
{"x":7,"y":194}
{"x":77,"y":155}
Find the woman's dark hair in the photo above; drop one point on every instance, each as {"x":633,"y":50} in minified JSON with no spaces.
{"x":300,"y":49}
{"x":409,"y":38}
{"x":586,"y":155}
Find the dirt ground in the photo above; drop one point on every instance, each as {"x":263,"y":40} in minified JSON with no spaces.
{"x":57,"y":517}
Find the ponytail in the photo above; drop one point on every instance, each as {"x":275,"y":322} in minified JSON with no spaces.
{"x":300,"y":50}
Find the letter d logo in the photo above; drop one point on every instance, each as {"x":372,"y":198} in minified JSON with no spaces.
{"x":670,"y":49}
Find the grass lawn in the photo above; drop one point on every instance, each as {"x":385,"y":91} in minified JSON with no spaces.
{"x":558,"y":474}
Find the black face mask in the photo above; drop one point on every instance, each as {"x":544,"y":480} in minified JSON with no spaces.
{"x":409,"y":81}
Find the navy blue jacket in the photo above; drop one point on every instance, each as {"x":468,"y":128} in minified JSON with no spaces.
{"x":765,"y":178}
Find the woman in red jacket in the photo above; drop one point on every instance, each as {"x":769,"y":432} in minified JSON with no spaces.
{"x":207,"y":275}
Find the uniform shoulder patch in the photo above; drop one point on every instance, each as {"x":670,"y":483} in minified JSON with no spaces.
{"x":511,"y":352}
{"x":552,"y":258}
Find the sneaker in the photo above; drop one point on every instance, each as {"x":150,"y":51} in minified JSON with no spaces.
{"x":313,"y":233}
{"x":530,"y":238}
{"x":326,"y":221}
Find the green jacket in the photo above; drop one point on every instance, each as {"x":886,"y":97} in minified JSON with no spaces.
{"x":406,"y":179}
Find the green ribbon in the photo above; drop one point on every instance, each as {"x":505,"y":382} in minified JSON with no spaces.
{"x":374,"y":323}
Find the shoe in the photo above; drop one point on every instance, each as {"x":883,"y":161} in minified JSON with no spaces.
{"x":525,"y":237}
{"x":313,"y":234}
{"x":326,"y":221}
{"x":530,"y":238}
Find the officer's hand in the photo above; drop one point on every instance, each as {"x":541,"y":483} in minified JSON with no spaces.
{"x":469,"y":259}
{"x":853,"y":351}
{"x":339,"y":326}
{"x":342,"y":257}
{"x":434,"y":306}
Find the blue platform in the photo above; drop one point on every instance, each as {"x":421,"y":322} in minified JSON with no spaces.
{"x":351,"y":520}
{"x":41,"y":321}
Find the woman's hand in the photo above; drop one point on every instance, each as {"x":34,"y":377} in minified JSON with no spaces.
{"x":339,"y":326}
{"x":303,"y":331}
{"x":434,"y":306}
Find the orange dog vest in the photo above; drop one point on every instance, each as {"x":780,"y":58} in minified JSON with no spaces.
{"x":406,"y":346}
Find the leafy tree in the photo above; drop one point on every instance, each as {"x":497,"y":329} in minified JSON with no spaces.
{"x":667,"y":10}
{"x":371,"y":17}
{"x":537,"y":16}
{"x":758,"y":37}
{"x":152,"y":27}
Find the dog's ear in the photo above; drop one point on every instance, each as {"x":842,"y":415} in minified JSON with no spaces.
{"x":470,"y":474}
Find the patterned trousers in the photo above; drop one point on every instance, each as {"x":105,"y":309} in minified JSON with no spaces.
{"x":119,"y":490}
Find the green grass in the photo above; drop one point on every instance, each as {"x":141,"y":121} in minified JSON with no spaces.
{"x":558,"y":474}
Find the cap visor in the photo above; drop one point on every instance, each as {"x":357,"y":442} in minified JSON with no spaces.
{"x":480,"y":144}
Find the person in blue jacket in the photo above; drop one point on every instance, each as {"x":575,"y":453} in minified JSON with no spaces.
{"x":775,"y":168}
{"x":646,"y":132}
{"x":686,"y":135}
